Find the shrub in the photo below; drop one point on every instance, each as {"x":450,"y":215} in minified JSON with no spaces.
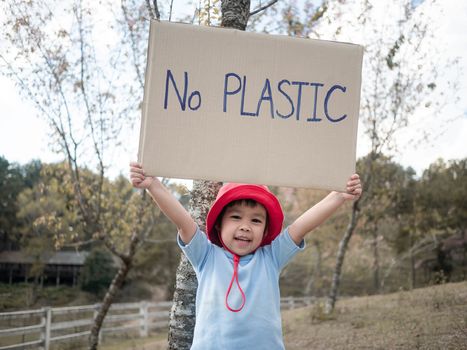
{"x":98,"y":271}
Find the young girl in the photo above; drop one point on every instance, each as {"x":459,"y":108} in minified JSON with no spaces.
{"x":239,"y":259}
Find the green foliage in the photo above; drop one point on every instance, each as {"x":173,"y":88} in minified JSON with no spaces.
{"x":13,"y":180}
{"x":10,"y":186}
{"x":49,"y":211}
{"x":97,"y":272}
{"x":23,"y":295}
{"x":443,"y":196}
{"x":52,"y":219}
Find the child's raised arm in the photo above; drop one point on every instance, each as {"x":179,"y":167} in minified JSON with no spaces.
{"x":169,"y":205}
{"x":317,"y":214}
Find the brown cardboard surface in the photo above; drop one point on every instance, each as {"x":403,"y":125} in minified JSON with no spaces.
{"x":218,"y":106}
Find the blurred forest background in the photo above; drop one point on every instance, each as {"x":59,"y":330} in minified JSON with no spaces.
{"x":409,"y":230}
{"x":411,"y":234}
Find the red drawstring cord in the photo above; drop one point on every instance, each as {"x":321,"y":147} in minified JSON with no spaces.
{"x":235,"y":277}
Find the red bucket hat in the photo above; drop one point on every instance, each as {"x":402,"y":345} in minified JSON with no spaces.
{"x":235,"y":191}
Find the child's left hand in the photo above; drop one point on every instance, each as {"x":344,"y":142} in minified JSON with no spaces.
{"x":354,"y":188}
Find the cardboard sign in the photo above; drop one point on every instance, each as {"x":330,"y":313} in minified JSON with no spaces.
{"x":226,"y":105}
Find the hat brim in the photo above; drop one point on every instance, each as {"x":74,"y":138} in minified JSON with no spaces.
{"x":257,"y":193}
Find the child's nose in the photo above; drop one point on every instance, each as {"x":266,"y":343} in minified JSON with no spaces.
{"x":245,"y":227}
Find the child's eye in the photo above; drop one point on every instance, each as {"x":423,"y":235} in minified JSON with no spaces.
{"x":236,"y":217}
{"x":257,"y":221}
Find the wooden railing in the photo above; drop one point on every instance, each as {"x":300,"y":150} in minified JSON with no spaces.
{"x":40,"y":328}
{"x":288,"y":303}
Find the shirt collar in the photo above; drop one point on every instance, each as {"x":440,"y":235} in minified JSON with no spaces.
{"x":243,"y":259}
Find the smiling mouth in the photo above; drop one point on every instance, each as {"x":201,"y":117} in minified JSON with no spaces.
{"x":242,"y":239}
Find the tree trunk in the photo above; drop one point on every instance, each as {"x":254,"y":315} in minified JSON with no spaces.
{"x":330,"y":303}
{"x":464,"y":260}
{"x":115,"y":286}
{"x":315,"y":271}
{"x":235,"y":13}
{"x":376,"y":283}
{"x":182,"y":314}
{"x":412,"y":263}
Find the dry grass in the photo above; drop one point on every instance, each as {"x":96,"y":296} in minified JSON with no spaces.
{"x":154,"y":342}
{"x":426,"y":318}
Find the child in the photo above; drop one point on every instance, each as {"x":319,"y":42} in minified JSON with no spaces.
{"x":238,"y":261}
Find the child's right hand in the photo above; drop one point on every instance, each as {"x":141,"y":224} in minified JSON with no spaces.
{"x":138,"y":178}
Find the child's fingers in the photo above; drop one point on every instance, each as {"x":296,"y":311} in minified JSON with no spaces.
{"x":357,"y":191}
{"x":353,"y":179}
{"x":140,"y":176}
{"x":135,"y":165}
{"x":353,"y":183}
{"x":354,"y":188}
{"x":136,"y":181}
{"x":136,"y":170}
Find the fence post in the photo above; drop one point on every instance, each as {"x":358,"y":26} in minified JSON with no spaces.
{"x":143,"y":311}
{"x":46,"y":323}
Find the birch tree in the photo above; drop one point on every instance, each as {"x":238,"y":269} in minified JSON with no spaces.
{"x":182,"y":315}
{"x":235,"y":14}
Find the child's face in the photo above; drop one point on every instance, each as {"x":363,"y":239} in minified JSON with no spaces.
{"x":242,"y":228}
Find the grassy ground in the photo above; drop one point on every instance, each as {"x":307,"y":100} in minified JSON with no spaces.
{"x":426,"y":318}
{"x":154,"y":342}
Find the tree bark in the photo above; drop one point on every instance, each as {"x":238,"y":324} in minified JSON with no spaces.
{"x":182,"y":314}
{"x":376,"y":279}
{"x":316,"y":271}
{"x":464,"y":260}
{"x":336,"y":278}
{"x":115,"y":286}
{"x":235,"y":13}
{"x":412,"y":263}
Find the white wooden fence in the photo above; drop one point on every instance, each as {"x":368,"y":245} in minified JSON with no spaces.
{"x":288,"y":303}
{"x":40,"y":328}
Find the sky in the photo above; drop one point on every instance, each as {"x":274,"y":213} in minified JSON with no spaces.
{"x":24,"y":136}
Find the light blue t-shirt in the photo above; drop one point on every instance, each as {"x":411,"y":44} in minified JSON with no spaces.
{"x":258,"y":324}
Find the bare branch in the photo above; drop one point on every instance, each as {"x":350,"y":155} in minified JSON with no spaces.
{"x":156,"y":9}
{"x":133,"y":46}
{"x":153,"y":13}
{"x":79,"y":244}
{"x":262,"y":8}
{"x":170,"y":12}
{"x":97,"y":149}
{"x":157,"y":241}
{"x":111,"y":246}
